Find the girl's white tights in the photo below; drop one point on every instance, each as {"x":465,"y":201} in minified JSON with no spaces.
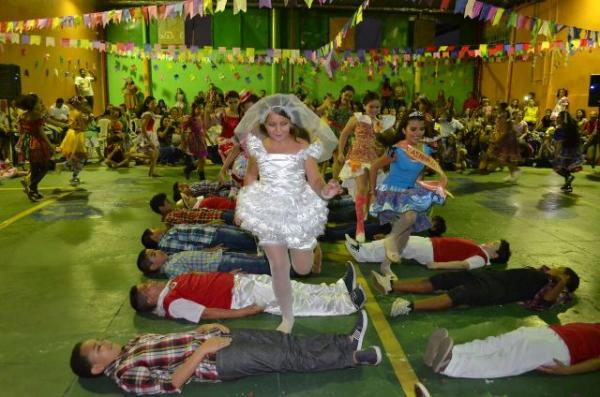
{"x":279,"y":261}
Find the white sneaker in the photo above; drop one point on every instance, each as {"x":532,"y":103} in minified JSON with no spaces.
{"x":353,"y":249}
{"x":382,"y":283}
{"x":400,"y":307}
{"x":386,"y":270}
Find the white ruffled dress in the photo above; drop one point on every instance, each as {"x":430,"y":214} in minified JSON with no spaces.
{"x":281,"y":207}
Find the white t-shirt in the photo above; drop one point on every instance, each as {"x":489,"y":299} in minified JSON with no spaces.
{"x":85,"y":85}
{"x":60,"y":114}
{"x":179,"y":308}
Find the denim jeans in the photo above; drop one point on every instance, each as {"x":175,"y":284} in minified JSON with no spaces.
{"x":247,"y":263}
{"x":257,"y":352}
{"x":227,"y":217}
{"x":234,"y":238}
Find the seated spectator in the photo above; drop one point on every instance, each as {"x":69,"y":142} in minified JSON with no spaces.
{"x":538,"y":289}
{"x":530,"y":114}
{"x":153,"y":363}
{"x":213,"y":296}
{"x":556,"y":350}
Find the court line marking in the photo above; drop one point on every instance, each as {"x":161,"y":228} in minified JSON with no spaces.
{"x":33,"y":209}
{"x":402,"y":368}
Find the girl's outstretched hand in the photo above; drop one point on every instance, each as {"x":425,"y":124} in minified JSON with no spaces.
{"x":331,"y":189}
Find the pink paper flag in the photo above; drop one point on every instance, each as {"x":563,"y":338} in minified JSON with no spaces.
{"x":152,"y":12}
{"x":476,"y":9}
{"x":264,"y":4}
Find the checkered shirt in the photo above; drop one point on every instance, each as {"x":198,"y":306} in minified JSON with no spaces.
{"x":192,"y":261}
{"x":147,"y":363}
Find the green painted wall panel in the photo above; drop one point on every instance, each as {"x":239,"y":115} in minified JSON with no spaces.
{"x":255,"y":29}
{"x":118,"y":69}
{"x":455,"y":79}
{"x":227,"y":29}
{"x":125,"y":33}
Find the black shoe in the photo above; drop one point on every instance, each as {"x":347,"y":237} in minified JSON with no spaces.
{"x":350,"y":277}
{"x":370,"y":356}
{"x":25,"y":187}
{"x":421,"y":390}
{"x":31,"y":196}
{"x":187,"y":171}
{"x":359,"y":331}
{"x":358,"y":296}
{"x":37,"y":195}
{"x":568,"y":189}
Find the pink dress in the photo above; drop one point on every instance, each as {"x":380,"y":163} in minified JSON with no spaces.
{"x":196,"y":138}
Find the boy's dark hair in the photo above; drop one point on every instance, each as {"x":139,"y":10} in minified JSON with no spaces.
{"x":147,"y":239}
{"x":137,"y":301}
{"x":176,"y":192}
{"x":157,"y":201}
{"x":370,"y":96}
{"x":232,"y":94}
{"x":80,"y":365}
{"x":144,"y":264}
{"x":573,"y":282}
{"x":26,"y":102}
{"x":503,"y":253}
{"x":438,"y":227}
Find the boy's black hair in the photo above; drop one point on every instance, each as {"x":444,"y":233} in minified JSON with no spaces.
{"x":157,"y":201}
{"x":137,"y":301}
{"x":144,"y":264}
{"x":370,"y":96}
{"x":176,"y":192}
{"x":438,"y":227}
{"x":573,"y":282}
{"x":503,"y":253}
{"x":147,"y":239}
{"x":80,"y":365}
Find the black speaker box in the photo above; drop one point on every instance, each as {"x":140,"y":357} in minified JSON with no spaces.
{"x":10,"y":81}
{"x":594,"y":95}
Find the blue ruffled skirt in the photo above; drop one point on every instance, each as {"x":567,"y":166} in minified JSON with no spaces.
{"x":393,"y":201}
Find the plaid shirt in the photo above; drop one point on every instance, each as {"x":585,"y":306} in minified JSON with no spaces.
{"x":211,"y":188}
{"x":147,"y":363}
{"x":193,"y":261}
{"x":201,"y":215}
{"x":187,"y":238}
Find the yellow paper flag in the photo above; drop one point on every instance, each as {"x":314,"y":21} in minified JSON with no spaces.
{"x":359,"y":15}
{"x":35,"y":39}
{"x":221,"y":4}
{"x":545,"y":45}
{"x":498,"y":16}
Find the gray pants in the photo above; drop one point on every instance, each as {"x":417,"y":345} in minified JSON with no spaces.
{"x":257,"y":352}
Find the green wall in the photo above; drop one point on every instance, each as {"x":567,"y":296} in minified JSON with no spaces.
{"x":252,"y":29}
{"x":455,"y":79}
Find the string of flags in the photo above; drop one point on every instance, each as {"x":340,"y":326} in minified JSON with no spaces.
{"x":186,"y":9}
{"x":336,"y":43}
{"x":395,"y":57}
{"x":495,"y":15}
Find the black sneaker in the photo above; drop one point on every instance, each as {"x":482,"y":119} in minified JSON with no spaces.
{"x":421,"y":390}
{"x":568,"y":189}
{"x":350,"y":277}
{"x":358,"y":296}
{"x":37,"y":195}
{"x":359,"y":331}
{"x":370,"y":356}
{"x":31,"y":196}
{"x":25,"y":186}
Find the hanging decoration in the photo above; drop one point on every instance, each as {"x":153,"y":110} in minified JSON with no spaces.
{"x":185,"y":9}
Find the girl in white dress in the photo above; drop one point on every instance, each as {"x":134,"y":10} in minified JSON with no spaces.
{"x":283,"y":201}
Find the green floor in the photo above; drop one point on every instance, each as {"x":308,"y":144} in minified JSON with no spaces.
{"x":65,"y":271}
